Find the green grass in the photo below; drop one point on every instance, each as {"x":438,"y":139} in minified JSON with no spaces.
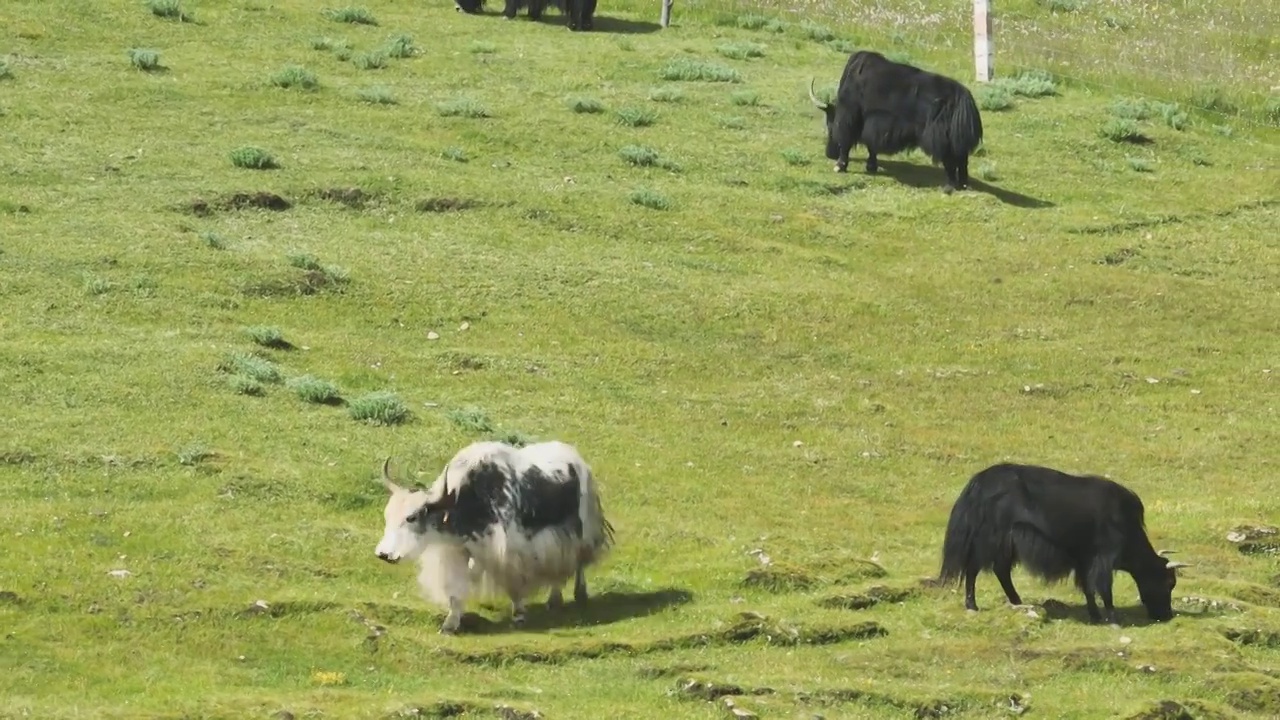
{"x":352,"y":15}
{"x":905,"y":338}
{"x":376,"y":95}
{"x":253,"y":158}
{"x":693,"y":70}
{"x":144,"y":60}
{"x":170,"y":10}
{"x":295,"y":76}
{"x":462,"y":107}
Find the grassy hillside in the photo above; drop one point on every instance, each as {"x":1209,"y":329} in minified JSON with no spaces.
{"x":629,"y":240}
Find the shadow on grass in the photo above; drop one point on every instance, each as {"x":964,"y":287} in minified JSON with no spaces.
{"x":1131,"y":616}
{"x":926,"y":176}
{"x":604,"y":609}
{"x":608,"y":25}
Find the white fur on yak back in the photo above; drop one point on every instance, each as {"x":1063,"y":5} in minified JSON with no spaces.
{"x":506,"y":558}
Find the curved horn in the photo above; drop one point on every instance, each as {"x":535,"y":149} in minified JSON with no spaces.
{"x":1174,"y":565}
{"x":386,"y":476}
{"x":817,"y":103}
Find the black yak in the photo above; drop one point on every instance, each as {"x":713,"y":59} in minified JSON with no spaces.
{"x":1055,"y":524}
{"x":579,"y":12}
{"x":891,"y":107}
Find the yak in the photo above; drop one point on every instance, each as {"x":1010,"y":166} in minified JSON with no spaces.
{"x":579,"y":12}
{"x":891,"y":107}
{"x":499,"y":519}
{"x":1055,"y":524}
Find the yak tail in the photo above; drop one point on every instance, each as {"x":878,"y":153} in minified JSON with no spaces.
{"x":956,"y":130}
{"x":597,"y":532}
{"x":960,"y":547}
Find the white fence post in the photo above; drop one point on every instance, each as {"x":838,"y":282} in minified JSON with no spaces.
{"x":983,"y":54}
{"x":666,"y":12}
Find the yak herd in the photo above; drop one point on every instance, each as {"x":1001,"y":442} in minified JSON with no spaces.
{"x":521,"y":520}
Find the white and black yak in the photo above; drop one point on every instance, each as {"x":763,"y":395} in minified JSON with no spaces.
{"x":1054,"y":525}
{"x":890,"y":107}
{"x":499,"y":519}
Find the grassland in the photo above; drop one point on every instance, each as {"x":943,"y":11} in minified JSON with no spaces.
{"x":250,"y":248}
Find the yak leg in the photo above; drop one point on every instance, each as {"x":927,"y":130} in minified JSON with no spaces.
{"x":952,"y":171}
{"x":970,"y":588}
{"x":509,"y":12}
{"x":454,"y":620}
{"x":1003,"y":572}
{"x":535,"y":9}
{"x":518,"y":612}
{"x":555,"y":600}
{"x":872,"y":164}
{"x":588,"y":14}
{"x":580,"y":587}
{"x":963,"y":173}
{"x":573,"y":8}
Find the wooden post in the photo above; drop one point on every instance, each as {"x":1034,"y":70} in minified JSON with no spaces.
{"x":666,"y":12}
{"x":983,"y":54}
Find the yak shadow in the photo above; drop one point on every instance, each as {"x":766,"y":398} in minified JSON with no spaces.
{"x":604,"y":609}
{"x":1130,"y":616}
{"x":601,"y":24}
{"x":927,"y":176}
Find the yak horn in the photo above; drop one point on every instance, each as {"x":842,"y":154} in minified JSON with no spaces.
{"x":817,"y":103}
{"x":386,"y":476}
{"x":1174,"y":564}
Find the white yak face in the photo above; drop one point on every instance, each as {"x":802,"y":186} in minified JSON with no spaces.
{"x":399,"y":540}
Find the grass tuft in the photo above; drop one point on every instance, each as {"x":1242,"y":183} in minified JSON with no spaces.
{"x":376,"y":95}
{"x":796,"y":157}
{"x":741,"y":50}
{"x":352,"y":15}
{"x":253,"y":158}
{"x":745,"y":98}
{"x":213,"y":240}
{"x":267,"y":336}
{"x":816,"y":32}
{"x":6,"y":72}
{"x":1029,"y":84}
{"x":169,"y":10}
{"x":1122,"y":130}
{"x":375,"y":60}
{"x":462,"y":107}
{"x":471,"y":419}
{"x":994,"y":98}
{"x":295,"y":76}
{"x":585,"y":105}
{"x":479,"y":47}
{"x":987,"y":171}
{"x":752,"y":22}
{"x":144,"y":60}
{"x":667,"y":94}
{"x":329,"y":44}
{"x":455,"y":154}
{"x":312,"y":389}
{"x":379,"y":408}
{"x":652,"y":199}
{"x":255,"y":368}
{"x":193,"y":454}
{"x":1141,"y":165}
{"x":400,"y":47}
{"x":639,"y":155}
{"x":636,"y":117}
{"x":691,"y":70}
{"x":1062,"y":6}
{"x":246,"y":386}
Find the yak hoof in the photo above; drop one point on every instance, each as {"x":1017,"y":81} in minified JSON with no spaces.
{"x":518,"y":619}
{"x":842,"y":167}
{"x":448,"y":629}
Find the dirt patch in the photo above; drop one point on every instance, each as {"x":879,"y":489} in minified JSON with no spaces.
{"x":871,"y":597}
{"x":708,"y":690}
{"x":1119,"y":256}
{"x":238,"y":201}
{"x":353,"y":197}
{"x":747,"y":627}
{"x":445,"y":204}
{"x":1269,"y":639}
{"x":9,"y":597}
{"x":453,"y":709}
{"x":1255,"y":539}
{"x":689,"y":688}
{"x":779,"y":579}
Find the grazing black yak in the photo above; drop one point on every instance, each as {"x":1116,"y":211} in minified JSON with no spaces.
{"x":580,"y":13}
{"x":1055,"y":524}
{"x":890,"y":107}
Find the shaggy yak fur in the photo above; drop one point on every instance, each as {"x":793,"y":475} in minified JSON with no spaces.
{"x":1054,"y":525}
{"x":891,"y":107}
{"x":499,"y":520}
{"x":581,"y":13}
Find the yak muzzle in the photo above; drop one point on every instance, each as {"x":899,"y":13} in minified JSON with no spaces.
{"x":388,"y":558}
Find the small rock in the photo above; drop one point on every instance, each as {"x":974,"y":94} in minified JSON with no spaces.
{"x":1195,"y":392}
{"x":798,"y":443}
{"x":1125,"y":639}
{"x":1152,"y":380}
{"x":259,"y":606}
{"x":736,"y":711}
{"x":1147,"y":668}
{"x":283,"y":715}
{"x":119,"y":573}
{"x":1033,"y":614}
{"x":433,"y":335}
{"x":464,"y":326}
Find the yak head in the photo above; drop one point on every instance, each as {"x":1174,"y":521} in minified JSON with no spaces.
{"x":1156,"y":583}
{"x":829,"y":109}
{"x":471,"y":7}
{"x":409,"y":517}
